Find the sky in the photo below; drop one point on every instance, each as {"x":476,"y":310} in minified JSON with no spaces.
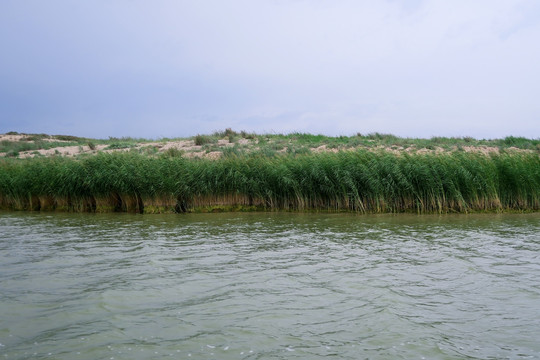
{"x":175,"y":68}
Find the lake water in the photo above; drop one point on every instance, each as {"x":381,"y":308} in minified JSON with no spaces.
{"x":269,"y":286}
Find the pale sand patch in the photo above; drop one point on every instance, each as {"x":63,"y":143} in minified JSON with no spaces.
{"x":22,"y":137}
{"x":439,"y":150}
{"x":393,"y":151}
{"x":225,"y":143}
{"x":515,"y":149}
{"x":213,"y":155}
{"x":4,"y":137}
{"x":483,"y":149}
{"x":63,"y":150}
{"x":191,"y":155}
{"x":187,"y":145}
{"x":170,"y":144}
{"x":324,"y":148}
{"x":424,"y":151}
{"x":319,"y":149}
{"x":184,"y":145}
{"x":50,"y":140}
{"x":379,"y":148}
{"x":108,"y":151}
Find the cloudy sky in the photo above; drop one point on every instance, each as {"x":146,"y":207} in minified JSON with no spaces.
{"x":169,"y":68}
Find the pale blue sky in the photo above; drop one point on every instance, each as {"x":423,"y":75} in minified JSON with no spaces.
{"x":168,"y":68}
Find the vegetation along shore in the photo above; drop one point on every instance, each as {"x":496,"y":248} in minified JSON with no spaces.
{"x":239,"y":171}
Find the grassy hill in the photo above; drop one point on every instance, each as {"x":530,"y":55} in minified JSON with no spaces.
{"x":229,"y":142}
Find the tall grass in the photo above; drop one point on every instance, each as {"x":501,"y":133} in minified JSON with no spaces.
{"x":360,"y":181}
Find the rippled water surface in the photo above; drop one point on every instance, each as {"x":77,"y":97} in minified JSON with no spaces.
{"x":269,"y":286}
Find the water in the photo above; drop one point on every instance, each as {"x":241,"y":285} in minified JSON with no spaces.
{"x":269,"y":286}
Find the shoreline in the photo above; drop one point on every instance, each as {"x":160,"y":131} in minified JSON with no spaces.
{"x":221,"y":209}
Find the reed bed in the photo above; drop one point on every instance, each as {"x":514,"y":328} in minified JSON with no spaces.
{"x":360,"y":181}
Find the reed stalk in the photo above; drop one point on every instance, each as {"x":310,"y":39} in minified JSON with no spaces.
{"x":360,"y":181}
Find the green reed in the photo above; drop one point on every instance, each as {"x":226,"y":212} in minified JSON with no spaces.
{"x":361,"y":181}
